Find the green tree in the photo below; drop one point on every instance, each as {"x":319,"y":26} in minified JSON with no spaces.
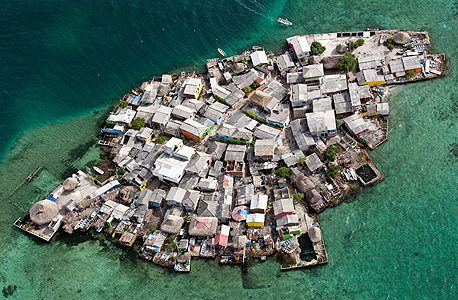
{"x":282,"y":172}
{"x":122,"y":171}
{"x":359,"y":42}
{"x":302,"y":160}
{"x":172,"y":246}
{"x":332,"y":171}
{"x":331,"y":151}
{"x":347,"y":62}
{"x":123,"y":104}
{"x":247,"y":90}
{"x":410,"y":74}
{"x":171,"y":239}
{"x":351,"y":45}
{"x":138,"y":123}
{"x":298,"y":197}
{"x":160,"y":140}
{"x":153,"y":228}
{"x":338,"y":124}
{"x":409,"y":47}
{"x":255,"y":85}
{"x":389,"y":41}
{"x":316,"y":48}
{"x":390,"y":47}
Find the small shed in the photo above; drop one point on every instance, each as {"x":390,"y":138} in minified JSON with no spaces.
{"x":313,"y":162}
{"x":258,"y":203}
{"x":255,"y":220}
{"x":355,"y":123}
{"x":172,"y":224}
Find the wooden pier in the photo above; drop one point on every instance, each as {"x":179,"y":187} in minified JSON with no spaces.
{"x":27,"y":180}
{"x":38,"y":233}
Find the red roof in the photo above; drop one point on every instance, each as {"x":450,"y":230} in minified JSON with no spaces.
{"x":221,"y":240}
{"x":203,"y":224}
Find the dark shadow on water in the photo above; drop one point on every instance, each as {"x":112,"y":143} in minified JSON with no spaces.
{"x":247,"y":283}
{"x":128,"y":254}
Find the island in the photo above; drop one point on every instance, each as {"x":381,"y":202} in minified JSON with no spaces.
{"x":237,"y":163}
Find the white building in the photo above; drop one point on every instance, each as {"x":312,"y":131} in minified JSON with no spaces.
{"x":259,"y":57}
{"x":300,"y":45}
{"x":321,"y":123}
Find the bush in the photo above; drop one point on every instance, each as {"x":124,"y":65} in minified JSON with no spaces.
{"x":247,"y":90}
{"x":389,"y":41}
{"x":170,"y":239}
{"x":316,"y":48}
{"x":359,"y":42}
{"x":351,"y":45}
{"x":172,"y":245}
{"x":347,"y":62}
{"x":298,"y":197}
{"x":333,"y":171}
{"x":302,"y":160}
{"x":360,"y":140}
{"x":254,"y":85}
{"x":282,"y":172}
{"x":160,"y":140}
{"x":153,"y":228}
{"x":409,"y":47}
{"x":410,"y":74}
{"x":390,"y":47}
{"x":254,"y":116}
{"x":123,"y":104}
{"x":138,"y":123}
{"x":338,"y":123}
{"x":331,"y":151}
{"x":122,"y":171}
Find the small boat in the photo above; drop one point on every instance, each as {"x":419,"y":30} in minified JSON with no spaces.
{"x":98,"y":170}
{"x":284,"y":21}
{"x":382,"y":38}
{"x":256,"y":48}
{"x":221,"y":51}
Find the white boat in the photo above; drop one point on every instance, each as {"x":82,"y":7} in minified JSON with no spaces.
{"x":284,"y":21}
{"x":382,"y":38}
{"x":221,"y":51}
{"x":98,"y":170}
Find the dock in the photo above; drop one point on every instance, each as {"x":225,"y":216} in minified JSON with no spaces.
{"x":29,"y":178}
{"x":308,"y":221}
{"x":43,"y":232}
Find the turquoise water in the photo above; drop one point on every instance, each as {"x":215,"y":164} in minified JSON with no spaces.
{"x":64,"y":61}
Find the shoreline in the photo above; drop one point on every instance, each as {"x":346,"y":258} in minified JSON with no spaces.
{"x":354,"y":164}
